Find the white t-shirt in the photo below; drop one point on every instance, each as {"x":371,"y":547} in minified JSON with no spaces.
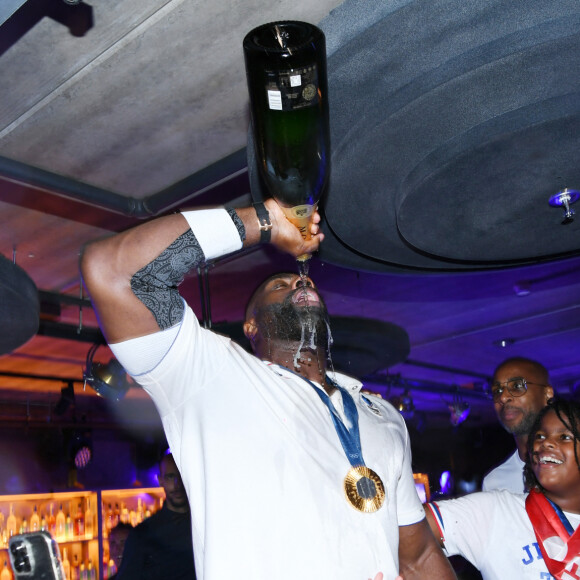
{"x":264,"y":468}
{"x":493,"y":531}
{"x":507,"y":475}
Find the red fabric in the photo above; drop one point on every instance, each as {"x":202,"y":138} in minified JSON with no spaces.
{"x":547,"y":525}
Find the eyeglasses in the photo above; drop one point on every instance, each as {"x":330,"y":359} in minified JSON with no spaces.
{"x":515,"y":387}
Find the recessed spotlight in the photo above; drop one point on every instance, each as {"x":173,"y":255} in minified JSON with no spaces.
{"x":503,"y":342}
{"x":565,"y":199}
{"x":522,"y":288}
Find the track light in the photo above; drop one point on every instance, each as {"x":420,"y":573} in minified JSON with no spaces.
{"x":67,"y":398}
{"x":404,"y":405}
{"x":81,"y":449}
{"x":107,"y":380}
{"x":459,"y":410}
{"x":565,"y":199}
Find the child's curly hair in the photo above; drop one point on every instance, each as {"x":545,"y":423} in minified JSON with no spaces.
{"x":569,"y":414}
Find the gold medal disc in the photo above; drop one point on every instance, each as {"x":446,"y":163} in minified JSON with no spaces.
{"x":364,"y":489}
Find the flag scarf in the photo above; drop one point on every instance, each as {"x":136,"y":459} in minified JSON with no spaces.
{"x":559,"y":544}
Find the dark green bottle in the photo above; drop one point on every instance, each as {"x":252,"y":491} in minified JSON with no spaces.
{"x":287,"y":82}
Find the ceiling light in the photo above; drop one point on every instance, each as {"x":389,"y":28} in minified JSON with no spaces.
{"x":81,"y":449}
{"x":404,"y":405}
{"x":107,"y":380}
{"x":565,"y":199}
{"x":522,"y":288}
{"x":504,"y":342}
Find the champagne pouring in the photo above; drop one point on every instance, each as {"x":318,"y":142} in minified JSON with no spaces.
{"x":286,"y":73}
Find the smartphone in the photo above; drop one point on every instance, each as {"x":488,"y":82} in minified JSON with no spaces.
{"x":35,"y":556}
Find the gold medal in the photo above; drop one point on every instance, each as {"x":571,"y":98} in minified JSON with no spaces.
{"x":364,"y":489}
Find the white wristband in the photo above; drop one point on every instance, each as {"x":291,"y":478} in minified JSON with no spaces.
{"x":215,"y":231}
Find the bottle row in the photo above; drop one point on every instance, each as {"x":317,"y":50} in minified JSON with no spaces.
{"x":77,"y":569}
{"x":122,"y":512}
{"x":64,"y":521}
{"x":67,"y":523}
{"x":79,"y":521}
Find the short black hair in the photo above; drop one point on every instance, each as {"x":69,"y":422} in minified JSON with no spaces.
{"x":569,"y":414}
{"x":121,"y":527}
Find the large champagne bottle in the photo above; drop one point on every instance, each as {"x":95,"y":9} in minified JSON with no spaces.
{"x":286,"y":73}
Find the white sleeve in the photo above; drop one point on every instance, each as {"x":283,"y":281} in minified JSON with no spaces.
{"x":409,"y":507}
{"x":467,"y":523}
{"x":142,"y":355}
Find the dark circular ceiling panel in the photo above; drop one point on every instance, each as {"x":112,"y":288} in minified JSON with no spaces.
{"x":19,"y":306}
{"x":452,"y":124}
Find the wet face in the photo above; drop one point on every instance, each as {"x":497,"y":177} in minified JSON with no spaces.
{"x":170,"y":480}
{"x":280,"y":286}
{"x":553,"y":460}
{"x":517,"y":414}
{"x":286,"y":309}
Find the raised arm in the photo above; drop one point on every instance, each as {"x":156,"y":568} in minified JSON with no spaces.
{"x":132,"y":277}
{"x":419,"y":555}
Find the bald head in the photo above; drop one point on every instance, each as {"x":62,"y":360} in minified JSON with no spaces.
{"x":539,"y":371}
{"x":259,"y":291}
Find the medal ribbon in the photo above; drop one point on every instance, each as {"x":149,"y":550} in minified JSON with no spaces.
{"x":349,"y":438}
{"x":549,"y":521}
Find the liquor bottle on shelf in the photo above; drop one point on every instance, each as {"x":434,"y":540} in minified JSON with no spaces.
{"x":91,"y":572}
{"x":51,"y":522}
{"x":24,"y":526}
{"x":83,"y":572}
{"x":110,"y":569}
{"x":286,"y":75}
{"x":124,"y":513}
{"x":11,"y":522}
{"x":43,"y":523}
{"x":109,"y":519}
{"x":89,"y":522}
{"x":79,"y":523}
{"x":60,"y":525}
{"x":75,"y":569}
{"x":133,"y":517}
{"x":68,"y":527}
{"x":35,"y":520}
{"x":5,"y":574}
{"x":140,"y":511}
{"x":116,"y":515}
{"x":66,"y":565}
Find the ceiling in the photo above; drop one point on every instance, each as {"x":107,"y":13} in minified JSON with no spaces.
{"x":448,"y":140}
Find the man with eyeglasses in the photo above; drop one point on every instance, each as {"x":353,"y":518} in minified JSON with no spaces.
{"x":520,"y":389}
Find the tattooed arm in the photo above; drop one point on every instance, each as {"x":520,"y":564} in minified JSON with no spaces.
{"x":132,"y":277}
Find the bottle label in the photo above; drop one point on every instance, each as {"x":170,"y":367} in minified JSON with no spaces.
{"x":300,"y":216}
{"x":292,"y":89}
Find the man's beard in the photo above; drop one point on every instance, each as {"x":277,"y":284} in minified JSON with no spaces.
{"x":287,"y":322}
{"x":176,"y":505}
{"x":524,"y":426}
